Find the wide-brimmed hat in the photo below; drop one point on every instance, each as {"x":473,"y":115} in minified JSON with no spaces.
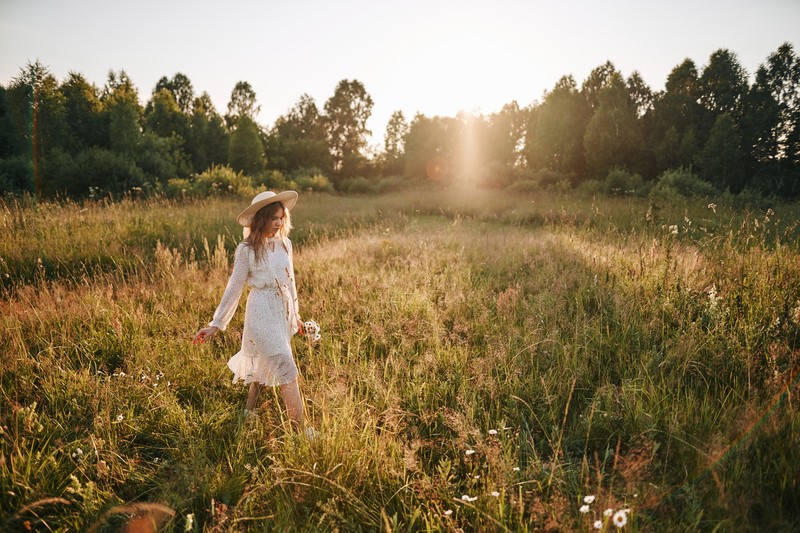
{"x":262,"y":199}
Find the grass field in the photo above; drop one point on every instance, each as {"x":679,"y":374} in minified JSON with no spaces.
{"x":488,"y":361}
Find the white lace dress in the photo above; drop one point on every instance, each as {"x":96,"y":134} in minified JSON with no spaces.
{"x":271,"y":316}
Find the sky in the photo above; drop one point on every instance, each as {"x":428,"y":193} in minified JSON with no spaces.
{"x":432,"y":57}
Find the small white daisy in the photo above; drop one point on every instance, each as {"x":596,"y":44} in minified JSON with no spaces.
{"x":588,"y":499}
{"x":120,"y":418}
{"x":448,"y":512}
{"x":495,"y":494}
{"x":492,"y":432}
{"x":620,"y":518}
{"x":469,"y":452}
{"x":584,"y":509}
{"x":608,"y":512}
{"x":598,"y":524}
{"x":516,"y":469}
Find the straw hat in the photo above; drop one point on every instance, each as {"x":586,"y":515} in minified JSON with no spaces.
{"x":262,"y":199}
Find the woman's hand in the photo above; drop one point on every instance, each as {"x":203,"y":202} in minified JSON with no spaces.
{"x":204,"y":334}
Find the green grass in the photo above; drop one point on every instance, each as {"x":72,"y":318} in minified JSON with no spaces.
{"x":541,"y":348}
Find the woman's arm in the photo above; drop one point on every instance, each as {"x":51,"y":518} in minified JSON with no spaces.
{"x":230,"y":298}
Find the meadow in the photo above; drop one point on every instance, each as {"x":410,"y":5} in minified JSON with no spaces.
{"x":489,"y":362}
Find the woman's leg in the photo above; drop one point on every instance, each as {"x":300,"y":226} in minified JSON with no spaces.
{"x":255,"y":388}
{"x":290,"y":392}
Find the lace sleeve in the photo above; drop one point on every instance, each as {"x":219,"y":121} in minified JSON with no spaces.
{"x":233,"y":291}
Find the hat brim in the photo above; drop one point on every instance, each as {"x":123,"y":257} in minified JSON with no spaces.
{"x":287,"y":198}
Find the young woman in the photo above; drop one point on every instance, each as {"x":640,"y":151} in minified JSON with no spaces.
{"x":263,"y":261}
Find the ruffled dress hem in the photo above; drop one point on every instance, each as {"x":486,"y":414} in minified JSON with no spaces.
{"x":266,"y":370}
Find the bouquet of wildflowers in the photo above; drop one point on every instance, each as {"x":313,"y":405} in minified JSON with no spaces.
{"x":311,"y":331}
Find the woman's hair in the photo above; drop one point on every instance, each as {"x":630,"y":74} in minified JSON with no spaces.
{"x":260,"y":223}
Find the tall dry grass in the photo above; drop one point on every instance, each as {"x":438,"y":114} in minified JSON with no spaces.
{"x":487,"y":362}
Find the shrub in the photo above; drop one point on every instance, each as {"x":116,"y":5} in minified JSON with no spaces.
{"x":620,"y":182}
{"x":680,"y":183}
{"x":524,"y":186}
{"x":495,"y":175}
{"x":16,"y":175}
{"x":549,"y":178}
{"x":215,"y":181}
{"x":592,"y":188}
{"x":275,"y":180}
{"x":312,"y":179}
{"x":220,"y":180}
{"x":389,"y":183}
{"x":102,"y":169}
{"x":357,"y":185}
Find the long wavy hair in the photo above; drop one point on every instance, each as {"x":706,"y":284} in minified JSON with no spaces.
{"x":257,"y":237}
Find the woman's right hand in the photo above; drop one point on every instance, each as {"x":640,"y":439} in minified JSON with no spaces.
{"x":204,"y":334}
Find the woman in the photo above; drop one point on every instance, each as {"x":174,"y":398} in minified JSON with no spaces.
{"x":263,"y":260}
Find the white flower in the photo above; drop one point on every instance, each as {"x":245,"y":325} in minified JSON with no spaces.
{"x":468,"y":498}
{"x":584,"y":509}
{"x":608,"y":512}
{"x":448,"y":512}
{"x":495,"y":494}
{"x":469,"y":452}
{"x":189,"y":522}
{"x":620,"y":518}
{"x":588,"y":499}
{"x":122,"y":374}
{"x":516,"y":469}
{"x":598,"y":524}
{"x":120,"y":418}
{"x":492,"y":432}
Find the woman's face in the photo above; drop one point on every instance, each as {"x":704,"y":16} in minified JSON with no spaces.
{"x":275,"y":222}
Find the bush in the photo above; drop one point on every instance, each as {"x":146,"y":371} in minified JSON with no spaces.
{"x":98,"y":168}
{"x":620,"y":182}
{"x":16,"y":175}
{"x":312,"y":179}
{"x":592,"y":188}
{"x":162,"y":158}
{"x":216,"y":181}
{"x":389,"y":184}
{"x":550,"y":178}
{"x":680,"y":183}
{"x":524,"y":186}
{"x":357,"y":185}
{"x":495,"y":175}
{"x":275,"y":180}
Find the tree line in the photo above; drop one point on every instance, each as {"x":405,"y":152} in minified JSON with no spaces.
{"x":711,"y":123}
